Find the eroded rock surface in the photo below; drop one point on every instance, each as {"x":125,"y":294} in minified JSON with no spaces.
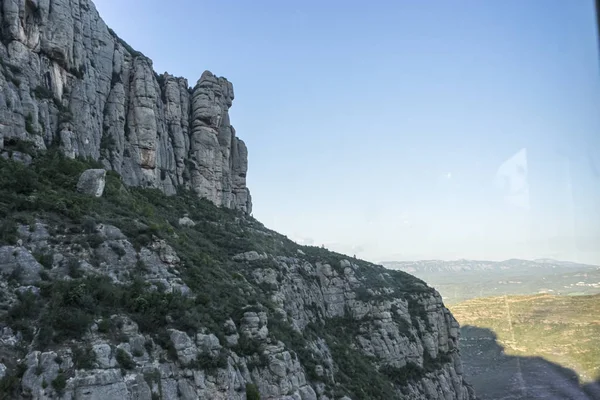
{"x":345,"y":317}
{"x":66,"y":78}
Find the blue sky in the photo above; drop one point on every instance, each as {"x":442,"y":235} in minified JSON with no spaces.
{"x":378,"y":128}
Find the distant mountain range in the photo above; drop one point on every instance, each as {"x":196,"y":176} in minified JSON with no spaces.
{"x":430,"y":266}
{"x":460,"y":280}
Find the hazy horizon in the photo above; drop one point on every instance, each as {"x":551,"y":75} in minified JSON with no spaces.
{"x":405,"y":130}
{"x":481,"y":260}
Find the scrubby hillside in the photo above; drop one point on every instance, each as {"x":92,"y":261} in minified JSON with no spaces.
{"x":561,"y":329}
{"x":139,"y":295}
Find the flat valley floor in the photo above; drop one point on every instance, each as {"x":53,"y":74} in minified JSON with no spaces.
{"x":531,"y":347}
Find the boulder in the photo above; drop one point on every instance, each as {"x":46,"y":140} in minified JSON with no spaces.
{"x":91,"y":182}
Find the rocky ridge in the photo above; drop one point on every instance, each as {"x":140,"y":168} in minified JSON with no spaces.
{"x":114,"y":288}
{"x":139,"y":295}
{"x":113,"y":359}
{"x":68,"y":80}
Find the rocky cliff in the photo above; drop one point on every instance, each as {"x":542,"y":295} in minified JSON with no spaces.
{"x":113,"y":288}
{"x":67,"y":80}
{"x":139,"y":295}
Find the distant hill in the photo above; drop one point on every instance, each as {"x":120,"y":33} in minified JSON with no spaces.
{"x":428,"y":266}
{"x":467,"y":279}
{"x":534,"y":347}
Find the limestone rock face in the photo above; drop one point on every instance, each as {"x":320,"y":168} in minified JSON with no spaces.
{"x":67,"y":79}
{"x":331,"y":308}
{"x":91,"y":182}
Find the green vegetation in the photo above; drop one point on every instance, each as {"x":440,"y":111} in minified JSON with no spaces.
{"x":84,"y":357}
{"x":562,"y":329}
{"x":60,"y":382}
{"x":23,"y":146}
{"x":209,"y":363}
{"x":12,"y":382}
{"x":124,"y":359}
{"x":42,"y":92}
{"x":126,"y":45}
{"x":223,"y":288}
{"x":252,"y":392}
{"x":29,"y":124}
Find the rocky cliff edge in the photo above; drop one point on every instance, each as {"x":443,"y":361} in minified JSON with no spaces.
{"x":68,"y":80}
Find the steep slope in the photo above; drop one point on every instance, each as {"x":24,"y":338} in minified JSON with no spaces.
{"x":138,"y":295}
{"x":67,"y":79}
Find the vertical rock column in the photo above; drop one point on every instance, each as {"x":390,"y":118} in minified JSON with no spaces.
{"x":218,"y":159}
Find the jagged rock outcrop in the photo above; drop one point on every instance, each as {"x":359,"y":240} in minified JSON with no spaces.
{"x":135,"y":295}
{"x":92,"y":182}
{"x":398,"y":327}
{"x":67,"y":79}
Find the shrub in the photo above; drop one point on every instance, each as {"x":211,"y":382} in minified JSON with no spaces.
{"x":42,"y":92}
{"x":138,"y":353}
{"x":8,"y":232}
{"x":74,"y":268}
{"x":88,"y":225}
{"x":84,"y":357}
{"x":60,"y":382}
{"x":45,"y":259}
{"x":10,"y":384}
{"x":209,"y":363}
{"x":120,"y":251}
{"x":29,"y":124}
{"x":95,"y":241}
{"x":23,"y":146}
{"x":252,"y":392}
{"x":124,"y":359}
{"x":105,"y":325}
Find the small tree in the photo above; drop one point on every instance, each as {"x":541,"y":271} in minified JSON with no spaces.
{"x":252,"y":392}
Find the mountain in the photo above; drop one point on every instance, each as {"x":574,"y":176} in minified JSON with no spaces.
{"x":464,"y":279}
{"x":151,"y":280}
{"x":68,"y":80}
{"x":461,"y":266}
{"x":140,"y":295}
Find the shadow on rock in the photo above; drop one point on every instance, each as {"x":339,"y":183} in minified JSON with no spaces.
{"x":496,"y":375}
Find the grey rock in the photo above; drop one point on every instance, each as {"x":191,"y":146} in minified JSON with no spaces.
{"x":308,"y":393}
{"x":208,"y":344}
{"x":68,"y":79}
{"x":250,"y":256}
{"x":169,"y":389}
{"x":40,"y":367}
{"x":36,"y":239}
{"x":186,"y":221}
{"x":91,"y":182}
{"x":2,"y":370}
{"x":100,"y":385}
{"x":185,"y":347}
{"x":109,"y":232}
{"x":17,"y":156}
{"x":8,"y":337}
{"x":138,"y":388}
{"x":186,"y":390}
{"x":104,"y":356}
{"x":31,"y":289}
{"x":19,"y":263}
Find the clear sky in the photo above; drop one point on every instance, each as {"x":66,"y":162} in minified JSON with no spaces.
{"x":386,"y":129}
